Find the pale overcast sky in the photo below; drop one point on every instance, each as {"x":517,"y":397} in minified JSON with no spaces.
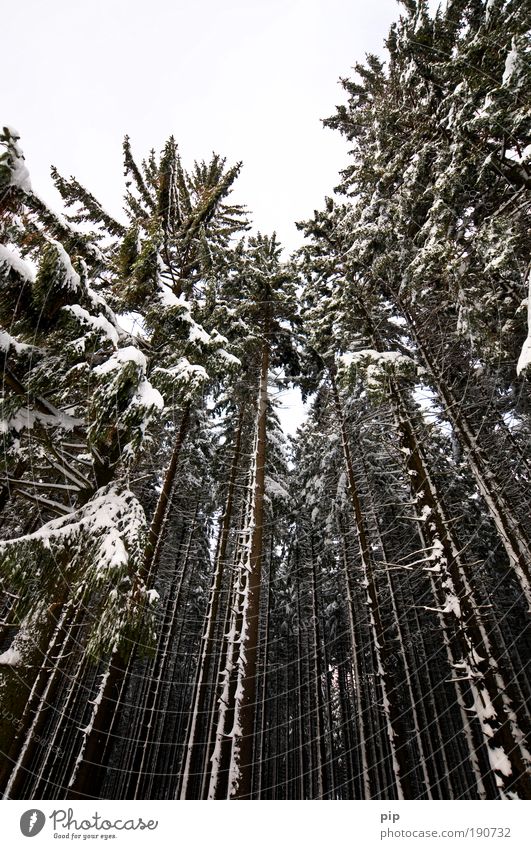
{"x":249,"y":79}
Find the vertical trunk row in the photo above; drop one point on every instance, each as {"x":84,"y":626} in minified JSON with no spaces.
{"x":508,"y":756}
{"x":196,"y":739}
{"x":375,"y":528}
{"x":17,"y":765}
{"x":356,"y":676}
{"x":145,"y":740}
{"x":394,"y":722}
{"x":318,"y":731}
{"x":90,"y":767}
{"x":232,"y":756}
{"x":511,"y":533}
{"x":241,"y":765}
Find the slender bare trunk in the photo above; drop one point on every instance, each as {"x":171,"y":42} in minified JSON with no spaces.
{"x":396,"y":732}
{"x":241,"y":767}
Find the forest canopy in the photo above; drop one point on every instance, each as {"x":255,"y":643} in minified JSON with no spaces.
{"x":196,"y":605}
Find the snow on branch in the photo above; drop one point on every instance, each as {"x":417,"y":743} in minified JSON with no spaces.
{"x":524,"y":359}
{"x":125,"y":398}
{"x":13,"y":170}
{"x":377,"y":365}
{"x":97,"y":551}
{"x":187,"y":377}
{"x":11,"y":261}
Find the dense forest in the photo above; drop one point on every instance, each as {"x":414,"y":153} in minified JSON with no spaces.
{"x":196,"y":605}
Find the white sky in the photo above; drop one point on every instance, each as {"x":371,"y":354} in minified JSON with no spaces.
{"x":250,"y":79}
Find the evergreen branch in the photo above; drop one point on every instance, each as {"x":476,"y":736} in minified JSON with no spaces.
{"x":17,"y":483}
{"x":73,"y":192}
{"x":53,"y":506}
{"x":130,"y":167}
{"x":73,"y":241}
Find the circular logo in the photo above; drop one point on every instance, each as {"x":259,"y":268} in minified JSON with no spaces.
{"x":31,"y":822}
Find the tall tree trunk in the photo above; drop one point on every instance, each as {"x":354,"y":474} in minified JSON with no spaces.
{"x":196,"y":731}
{"x":145,"y":741}
{"x":508,"y":755}
{"x":318,"y":733}
{"x":400,"y":636}
{"x":222,"y":746}
{"x":512,"y":535}
{"x":241,"y":767}
{"x":17,"y":764}
{"x":356,"y":677}
{"x":161,"y":510}
{"x":89,"y":770}
{"x":264,"y":679}
{"x":396,"y":731}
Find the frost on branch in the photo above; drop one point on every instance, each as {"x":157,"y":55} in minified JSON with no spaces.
{"x":13,"y":170}
{"x":525,"y":355}
{"x":125,"y":402}
{"x":97,"y":552}
{"x":376,"y":366}
{"x":184,"y":377}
